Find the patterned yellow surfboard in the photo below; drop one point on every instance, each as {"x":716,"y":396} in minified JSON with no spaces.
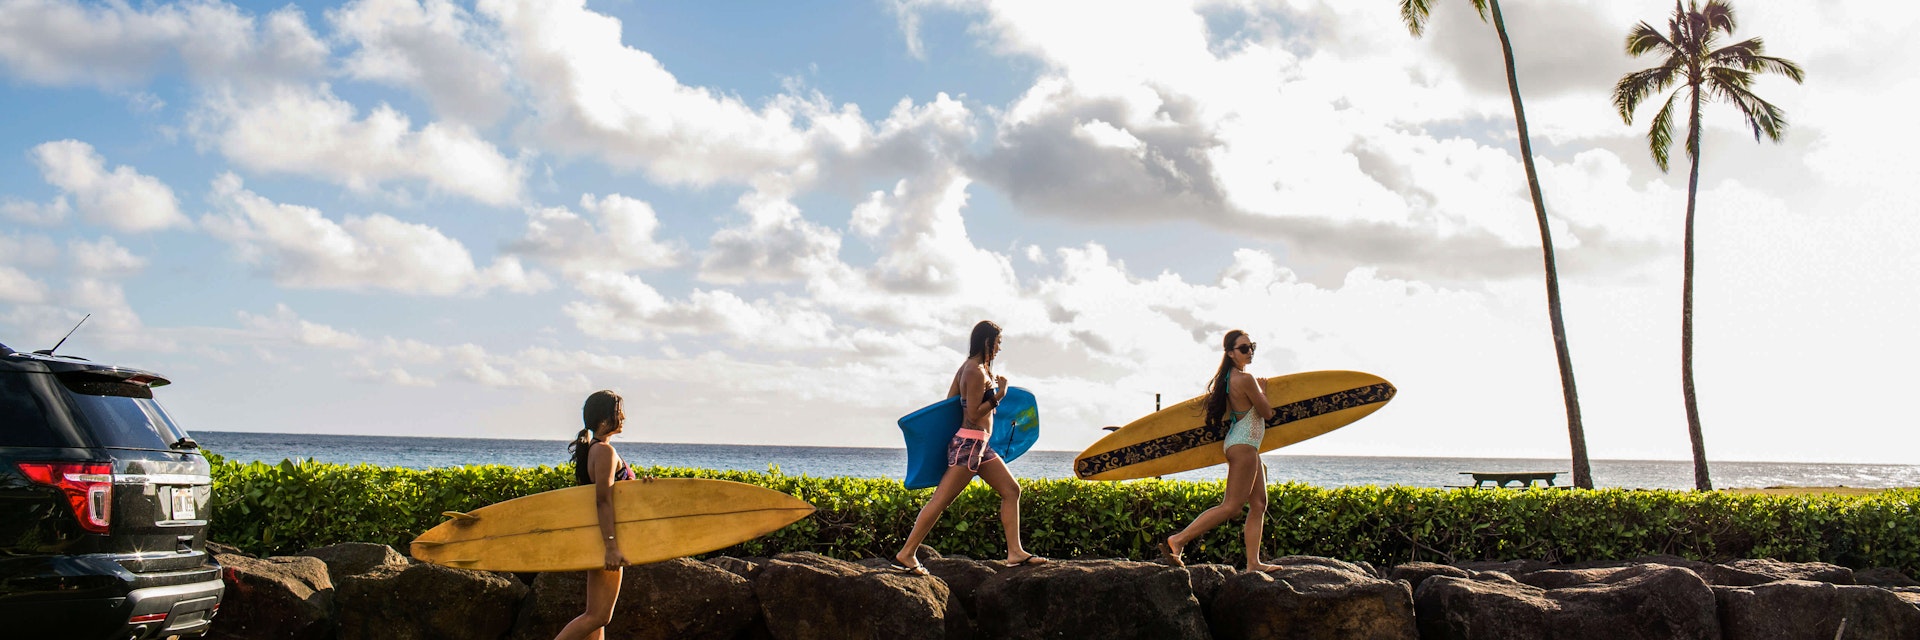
{"x":1176,"y":438}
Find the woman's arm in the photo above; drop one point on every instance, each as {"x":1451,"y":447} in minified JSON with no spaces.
{"x":600,"y":468}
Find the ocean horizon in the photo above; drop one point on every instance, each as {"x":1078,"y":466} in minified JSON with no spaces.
{"x":869,"y":462}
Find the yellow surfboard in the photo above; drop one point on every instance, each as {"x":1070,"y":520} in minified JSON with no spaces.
{"x":1175,"y":439}
{"x":560,"y":531}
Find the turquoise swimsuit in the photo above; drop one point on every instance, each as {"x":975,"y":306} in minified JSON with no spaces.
{"x":1243,"y":428}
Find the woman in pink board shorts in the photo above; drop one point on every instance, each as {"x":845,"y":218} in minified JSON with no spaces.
{"x":968,"y":454}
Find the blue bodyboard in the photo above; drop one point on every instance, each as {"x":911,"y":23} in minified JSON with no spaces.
{"x":1016,"y":425}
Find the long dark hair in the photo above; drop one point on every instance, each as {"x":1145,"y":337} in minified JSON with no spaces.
{"x":981,"y":343}
{"x":1219,"y":388}
{"x":600,"y":408}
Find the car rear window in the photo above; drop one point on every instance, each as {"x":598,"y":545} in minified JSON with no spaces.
{"x":121,"y":415}
{"x":23,"y":412}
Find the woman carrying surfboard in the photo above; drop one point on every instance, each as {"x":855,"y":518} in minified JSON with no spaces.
{"x":968,"y":454}
{"x":596,"y":463}
{"x":1236,"y":399}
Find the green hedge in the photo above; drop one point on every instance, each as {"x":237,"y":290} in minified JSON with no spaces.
{"x":285,"y":508}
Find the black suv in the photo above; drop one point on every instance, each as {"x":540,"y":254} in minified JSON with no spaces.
{"x":102,"y":506}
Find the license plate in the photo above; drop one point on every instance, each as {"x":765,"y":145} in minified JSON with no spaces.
{"x":182,"y":499}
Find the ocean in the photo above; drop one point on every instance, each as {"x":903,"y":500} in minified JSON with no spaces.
{"x":1324,"y":471}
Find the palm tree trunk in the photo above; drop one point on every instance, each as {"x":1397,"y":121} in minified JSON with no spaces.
{"x":1701,"y":481}
{"x":1576,"y":434}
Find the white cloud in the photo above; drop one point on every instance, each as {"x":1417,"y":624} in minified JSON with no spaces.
{"x":227,"y":46}
{"x":473,"y":364}
{"x":116,"y":45}
{"x":103,"y":258}
{"x":409,"y":351}
{"x":56,"y":42}
{"x":301,"y":248}
{"x":620,"y":237}
{"x":432,"y":46}
{"x":775,"y":244}
{"x":261,"y":100}
{"x":624,"y":307}
{"x":28,"y":250}
{"x":395,"y":376}
{"x":112,"y":322}
{"x":311,"y":132}
{"x":1259,"y":129}
{"x":122,"y":199}
{"x":930,"y":252}
{"x":19,"y":288}
{"x":597,"y":96}
{"x":36,"y":214}
{"x":283,"y":325}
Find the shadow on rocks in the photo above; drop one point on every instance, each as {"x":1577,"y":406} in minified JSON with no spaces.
{"x":1112,"y":600}
{"x":807,"y":596}
{"x":679,"y":598}
{"x":1644,"y":602}
{"x":426,"y":602}
{"x":1313,"y":601}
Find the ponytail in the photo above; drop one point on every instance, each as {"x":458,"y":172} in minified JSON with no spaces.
{"x":601,"y":407}
{"x":1220,"y":387}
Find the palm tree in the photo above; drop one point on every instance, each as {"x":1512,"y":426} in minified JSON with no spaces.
{"x":1414,"y":13}
{"x":1692,"y":64}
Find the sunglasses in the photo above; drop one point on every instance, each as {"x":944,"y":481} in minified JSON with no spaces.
{"x":1246,"y":348}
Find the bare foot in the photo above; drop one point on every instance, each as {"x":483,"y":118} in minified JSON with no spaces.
{"x":1029,"y":559}
{"x":1173,"y":552}
{"x":1260,"y":567}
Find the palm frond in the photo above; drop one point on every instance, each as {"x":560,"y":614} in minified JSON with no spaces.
{"x":1782,"y":66}
{"x":1720,"y":78}
{"x":1739,"y":55}
{"x":1643,"y":39}
{"x":1762,"y":116}
{"x":1718,"y":17}
{"x":1636,"y":86}
{"x":1481,"y":7}
{"x":1660,"y":135}
{"x":1414,"y":14}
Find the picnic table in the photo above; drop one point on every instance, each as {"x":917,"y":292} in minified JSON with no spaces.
{"x":1500,"y":479}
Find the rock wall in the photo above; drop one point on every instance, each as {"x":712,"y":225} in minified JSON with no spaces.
{"x":355,"y":591}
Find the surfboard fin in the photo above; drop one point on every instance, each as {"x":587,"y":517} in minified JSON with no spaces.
{"x":462,"y":518}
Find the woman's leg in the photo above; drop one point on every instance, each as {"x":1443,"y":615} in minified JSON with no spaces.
{"x":1257,"y":519}
{"x":950,"y":487}
{"x":995,"y":473}
{"x":1241,"y":460}
{"x":603,"y":588}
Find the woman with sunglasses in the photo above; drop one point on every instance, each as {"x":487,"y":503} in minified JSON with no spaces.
{"x":968,"y":454}
{"x":1236,"y":399}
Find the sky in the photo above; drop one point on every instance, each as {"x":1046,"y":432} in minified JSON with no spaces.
{"x":775,"y":224}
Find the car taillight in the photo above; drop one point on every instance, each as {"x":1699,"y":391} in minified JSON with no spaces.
{"x":151,"y":617}
{"x":88,"y":486}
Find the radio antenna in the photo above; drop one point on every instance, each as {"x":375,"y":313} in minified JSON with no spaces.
{"x":63,"y":339}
